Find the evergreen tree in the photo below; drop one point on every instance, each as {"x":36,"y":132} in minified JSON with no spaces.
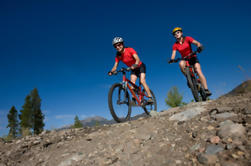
{"x":174,"y":98}
{"x":26,"y":117}
{"x":13,"y":122}
{"x":37,"y":115}
{"x":97,"y":123}
{"x":77,"y":123}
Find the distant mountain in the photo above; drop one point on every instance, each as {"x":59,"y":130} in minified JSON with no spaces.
{"x":242,"y":88}
{"x":96,"y":120}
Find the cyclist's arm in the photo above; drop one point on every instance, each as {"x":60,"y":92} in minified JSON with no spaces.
{"x":136,"y":57}
{"x":115,"y":67}
{"x":195,"y":42}
{"x":173,"y":54}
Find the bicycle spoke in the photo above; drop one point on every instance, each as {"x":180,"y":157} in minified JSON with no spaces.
{"x":119,"y":103}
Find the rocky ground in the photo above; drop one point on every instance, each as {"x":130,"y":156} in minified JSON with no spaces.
{"x":216,"y":132}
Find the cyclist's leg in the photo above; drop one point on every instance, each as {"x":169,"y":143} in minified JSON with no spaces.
{"x":133,"y":78}
{"x":201,"y":75}
{"x":143,"y":82}
{"x":182,"y":65}
{"x":142,"y":70}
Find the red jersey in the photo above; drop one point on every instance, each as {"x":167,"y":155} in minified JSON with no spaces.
{"x":127,"y":57}
{"x":185,"y":48}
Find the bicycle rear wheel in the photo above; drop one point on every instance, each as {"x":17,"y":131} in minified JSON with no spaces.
{"x":192,"y":85}
{"x":148,"y":107}
{"x":119,"y":103}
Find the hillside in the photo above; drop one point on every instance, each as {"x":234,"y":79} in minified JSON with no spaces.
{"x":242,"y":88}
{"x":216,"y":132}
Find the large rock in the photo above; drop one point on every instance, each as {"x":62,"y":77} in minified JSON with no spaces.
{"x":188,"y":114}
{"x":230,"y":129}
{"x":207,"y":159}
{"x":213,"y":149}
{"x":225,"y":115}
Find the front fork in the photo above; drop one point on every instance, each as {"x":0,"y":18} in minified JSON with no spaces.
{"x":124,"y":101}
{"x":195,"y":75}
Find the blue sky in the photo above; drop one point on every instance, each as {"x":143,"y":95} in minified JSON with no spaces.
{"x":63,"y":48}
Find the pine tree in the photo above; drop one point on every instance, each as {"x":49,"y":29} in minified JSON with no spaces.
{"x":97,"y":123}
{"x":26,"y":117}
{"x":77,"y":123}
{"x":174,"y":98}
{"x":37,"y":115}
{"x":13,"y":122}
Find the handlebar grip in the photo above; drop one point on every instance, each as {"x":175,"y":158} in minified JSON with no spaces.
{"x":112,"y":73}
{"x":171,"y":61}
{"x":128,"y":69}
{"x":178,"y":59}
{"x":174,"y":60}
{"x":199,"y":49}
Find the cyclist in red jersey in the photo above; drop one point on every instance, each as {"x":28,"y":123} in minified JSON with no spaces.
{"x":130,"y":57}
{"x":183,"y":45}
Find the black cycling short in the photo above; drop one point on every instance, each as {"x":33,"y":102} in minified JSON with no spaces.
{"x":193,"y":60}
{"x":141,"y":69}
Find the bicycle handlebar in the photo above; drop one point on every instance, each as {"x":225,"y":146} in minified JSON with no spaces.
{"x":122,"y":70}
{"x":184,"y":58}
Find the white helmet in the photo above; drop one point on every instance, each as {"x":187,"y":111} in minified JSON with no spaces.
{"x":117,"y":40}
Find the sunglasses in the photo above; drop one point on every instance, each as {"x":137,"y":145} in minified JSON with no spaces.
{"x":176,"y":33}
{"x":117,"y":45}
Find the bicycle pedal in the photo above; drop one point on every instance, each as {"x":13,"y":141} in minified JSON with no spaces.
{"x":144,"y":103}
{"x":150,"y":102}
{"x":133,"y":103}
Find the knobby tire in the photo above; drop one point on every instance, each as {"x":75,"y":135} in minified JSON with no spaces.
{"x":203,"y":93}
{"x":192,"y":84}
{"x":111,"y":104}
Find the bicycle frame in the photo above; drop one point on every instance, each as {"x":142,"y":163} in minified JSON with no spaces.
{"x":126,"y":84}
{"x":193,"y":72}
{"x":192,"y":69}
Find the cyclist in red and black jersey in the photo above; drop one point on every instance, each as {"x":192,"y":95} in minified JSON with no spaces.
{"x":183,"y":45}
{"x":130,"y":57}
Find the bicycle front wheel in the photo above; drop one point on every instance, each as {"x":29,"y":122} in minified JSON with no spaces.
{"x":203,"y":93}
{"x":119,"y":103}
{"x":192,"y":85}
{"x":150,"y":106}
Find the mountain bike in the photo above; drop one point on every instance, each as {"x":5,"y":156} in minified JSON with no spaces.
{"x":120,"y":94}
{"x":193,"y":80}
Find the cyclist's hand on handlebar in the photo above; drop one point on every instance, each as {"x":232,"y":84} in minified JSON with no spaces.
{"x":110,"y":73}
{"x":170,"y":61}
{"x":199,"y":49}
{"x":134,"y":66}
